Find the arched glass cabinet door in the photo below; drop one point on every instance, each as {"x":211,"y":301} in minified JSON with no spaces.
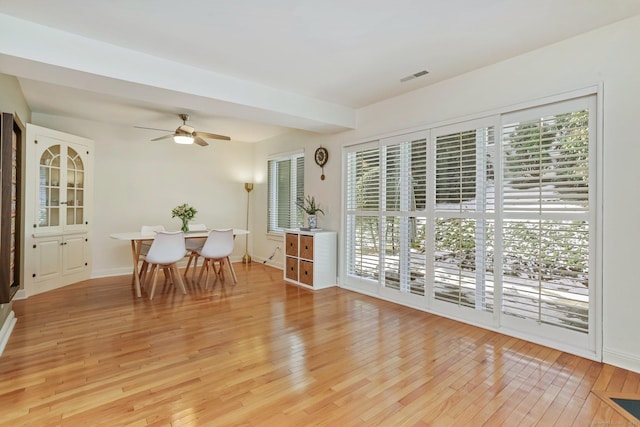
{"x":75,"y":188}
{"x":61,"y":188}
{"x":49,"y":188}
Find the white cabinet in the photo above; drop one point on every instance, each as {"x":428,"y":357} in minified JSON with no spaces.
{"x":57,"y":209}
{"x":310,"y":258}
{"x":57,"y":256}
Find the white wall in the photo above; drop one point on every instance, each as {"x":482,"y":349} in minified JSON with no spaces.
{"x":139,"y":182}
{"x":610,"y":56}
{"x":323,"y":191}
{"x":12,"y":99}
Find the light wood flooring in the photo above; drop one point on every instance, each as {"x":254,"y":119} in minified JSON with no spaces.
{"x":264,"y":353}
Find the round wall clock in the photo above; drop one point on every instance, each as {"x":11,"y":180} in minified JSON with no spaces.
{"x":321,"y":157}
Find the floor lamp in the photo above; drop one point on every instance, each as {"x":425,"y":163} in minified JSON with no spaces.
{"x":246,"y":259}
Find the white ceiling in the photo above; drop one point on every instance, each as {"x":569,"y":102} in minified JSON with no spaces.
{"x":252,"y":69}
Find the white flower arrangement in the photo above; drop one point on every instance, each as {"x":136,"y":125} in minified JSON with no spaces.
{"x":186,"y":213}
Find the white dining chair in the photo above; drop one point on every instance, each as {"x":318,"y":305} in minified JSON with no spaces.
{"x":217,"y":248}
{"x":146,"y":230}
{"x":166,"y":250}
{"x":193,"y":246}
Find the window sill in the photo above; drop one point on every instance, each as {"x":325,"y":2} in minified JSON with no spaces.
{"x":272,"y":235}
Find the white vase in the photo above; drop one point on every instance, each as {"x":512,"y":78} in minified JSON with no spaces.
{"x":312,"y":221}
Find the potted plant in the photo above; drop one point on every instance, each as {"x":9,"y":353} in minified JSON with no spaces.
{"x":311,"y":208}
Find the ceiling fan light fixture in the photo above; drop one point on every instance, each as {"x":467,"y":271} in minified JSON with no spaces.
{"x":183,"y":139}
{"x":187,"y":135}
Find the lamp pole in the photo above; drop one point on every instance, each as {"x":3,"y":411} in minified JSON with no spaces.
{"x":246,"y":259}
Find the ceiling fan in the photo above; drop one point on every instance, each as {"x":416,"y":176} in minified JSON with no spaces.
{"x":186,"y":134}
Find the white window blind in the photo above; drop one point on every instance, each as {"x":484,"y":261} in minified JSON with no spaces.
{"x":362,"y":200}
{"x":546,"y":228}
{"x":403,"y":193}
{"x":463,"y":226}
{"x":490,"y":220}
{"x":286,"y":188}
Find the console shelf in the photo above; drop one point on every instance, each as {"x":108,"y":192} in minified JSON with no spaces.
{"x":310,"y":259}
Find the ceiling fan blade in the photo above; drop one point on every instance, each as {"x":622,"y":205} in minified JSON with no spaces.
{"x":163,"y":137}
{"x":142,"y":127}
{"x":201,"y":142}
{"x":211,"y":135}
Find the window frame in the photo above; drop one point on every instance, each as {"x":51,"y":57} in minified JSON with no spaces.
{"x":297,"y":160}
{"x":591,"y":345}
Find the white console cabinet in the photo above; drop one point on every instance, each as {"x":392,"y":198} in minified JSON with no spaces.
{"x":310,"y":259}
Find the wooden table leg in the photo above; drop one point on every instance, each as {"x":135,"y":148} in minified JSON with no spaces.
{"x":135,"y":250}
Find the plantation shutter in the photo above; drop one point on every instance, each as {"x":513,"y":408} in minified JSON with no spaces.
{"x":362,"y":201}
{"x":296,"y":214}
{"x":463,"y":221}
{"x":546,"y":206}
{"x":286,"y":187}
{"x":404,"y":193}
{"x":491,"y":221}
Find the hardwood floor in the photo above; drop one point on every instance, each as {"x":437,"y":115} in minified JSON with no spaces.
{"x":263,"y":353}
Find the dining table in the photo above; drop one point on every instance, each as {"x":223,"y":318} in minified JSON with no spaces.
{"x":137,"y":238}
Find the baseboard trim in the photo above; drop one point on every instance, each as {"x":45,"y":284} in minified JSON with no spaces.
{"x":6,"y":330}
{"x":121,"y":271}
{"x":622,"y":360}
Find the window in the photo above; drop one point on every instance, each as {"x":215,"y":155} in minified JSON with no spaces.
{"x":490,"y":221}
{"x":363,"y":193}
{"x":547,"y":217}
{"x":286,"y":187}
{"x":464,"y":218}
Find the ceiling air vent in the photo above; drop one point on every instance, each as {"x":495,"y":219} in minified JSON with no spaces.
{"x":415,"y":75}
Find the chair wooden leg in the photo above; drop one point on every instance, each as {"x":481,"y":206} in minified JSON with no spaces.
{"x":195,"y":266}
{"x":143,"y":271}
{"x":221,"y":263}
{"x":219,"y":272}
{"x":233,"y":272}
{"x":205,"y":266}
{"x":186,"y":270}
{"x":204,"y":263}
{"x":154,"y":274}
{"x":210,"y":265}
{"x":167,"y":274}
{"x":171,"y":274}
{"x":174,"y":268}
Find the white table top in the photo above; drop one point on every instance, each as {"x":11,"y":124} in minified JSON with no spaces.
{"x":136,"y":235}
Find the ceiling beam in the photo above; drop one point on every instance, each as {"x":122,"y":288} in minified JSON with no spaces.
{"x":45,"y":54}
